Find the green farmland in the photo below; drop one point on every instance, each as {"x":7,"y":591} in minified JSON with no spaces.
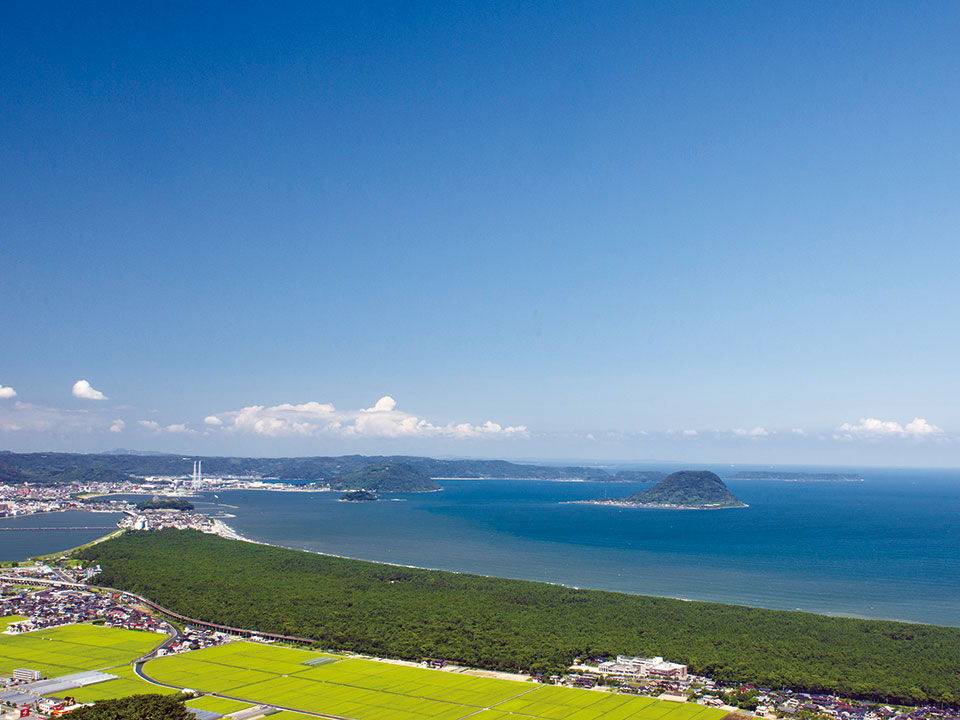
{"x":126,"y":684}
{"x":371,"y":690}
{"x":72,"y":648}
{"x":214,"y":704}
{"x":7,"y":619}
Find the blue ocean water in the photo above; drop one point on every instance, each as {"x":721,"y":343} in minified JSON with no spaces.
{"x":19,"y":538}
{"x":888,"y":547}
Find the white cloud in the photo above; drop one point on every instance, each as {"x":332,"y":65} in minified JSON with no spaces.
{"x":383,"y":420}
{"x":755,"y":432}
{"x":82,"y":389}
{"x":39,"y":418}
{"x":798,"y":431}
{"x":7,"y":392}
{"x":872,"y":428}
{"x":690,"y":433}
{"x":117,"y":426}
{"x":384,"y":404}
{"x":157,"y":428}
{"x":213,"y":420}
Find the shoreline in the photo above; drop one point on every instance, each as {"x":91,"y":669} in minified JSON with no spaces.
{"x":230,"y":533}
{"x":653,"y":506}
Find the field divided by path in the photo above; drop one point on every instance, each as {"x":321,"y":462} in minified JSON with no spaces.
{"x":370,"y":690}
{"x":72,"y":648}
{"x":127,"y":683}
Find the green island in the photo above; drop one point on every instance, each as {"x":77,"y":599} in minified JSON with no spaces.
{"x":392,"y":611}
{"x":158,"y":503}
{"x":358,"y":496}
{"x":684,"y":490}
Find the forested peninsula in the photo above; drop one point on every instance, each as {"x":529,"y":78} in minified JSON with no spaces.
{"x":402,"y":612}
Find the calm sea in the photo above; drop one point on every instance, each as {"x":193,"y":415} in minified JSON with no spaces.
{"x":45,"y":533}
{"x":888,"y":547}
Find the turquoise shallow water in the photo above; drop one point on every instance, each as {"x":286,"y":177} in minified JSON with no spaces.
{"x":888,"y":547}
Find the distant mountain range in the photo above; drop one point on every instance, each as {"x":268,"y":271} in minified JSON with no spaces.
{"x":399,"y":473}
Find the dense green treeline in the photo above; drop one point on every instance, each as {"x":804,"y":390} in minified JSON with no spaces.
{"x":136,"y":707}
{"x":165,"y":504}
{"x":388,"y":477}
{"x":512,"y":624}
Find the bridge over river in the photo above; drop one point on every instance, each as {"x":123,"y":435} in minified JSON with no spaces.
{"x":62,"y":527}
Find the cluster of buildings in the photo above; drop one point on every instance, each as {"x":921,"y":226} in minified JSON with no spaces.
{"x":931,"y":713}
{"x":45,"y":608}
{"x":193,"y":638}
{"x":637,"y":668}
{"x":157,"y":519}
{"x":786,"y":704}
{"x":18,"y":500}
{"x":651,"y":676}
{"x":28,"y":695}
{"x":673,"y":681}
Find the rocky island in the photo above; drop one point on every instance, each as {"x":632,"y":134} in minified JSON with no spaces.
{"x":684,"y":490}
{"x":358,"y":496}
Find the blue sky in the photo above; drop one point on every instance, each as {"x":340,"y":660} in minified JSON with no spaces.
{"x":599,"y":228}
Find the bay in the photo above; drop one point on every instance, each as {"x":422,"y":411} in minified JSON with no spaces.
{"x":20,"y":538}
{"x":888,"y":547}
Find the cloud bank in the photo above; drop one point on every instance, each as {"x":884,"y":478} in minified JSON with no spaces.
{"x":28,"y":417}
{"x":383,"y":420}
{"x":755,"y":432}
{"x":872,"y":428}
{"x":83,"y":389}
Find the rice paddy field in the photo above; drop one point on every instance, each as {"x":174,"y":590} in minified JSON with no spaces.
{"x":126,"y":684}
{"x":72,"y":648}
{"x":370,"y":690}
{"x":7,"y":619}
{"x":216,"y":704}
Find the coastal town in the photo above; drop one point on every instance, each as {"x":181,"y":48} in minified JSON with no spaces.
{"x":20,"y":500}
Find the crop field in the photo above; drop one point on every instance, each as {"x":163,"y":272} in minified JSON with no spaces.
{"x":126,"y":684}
{"x":7,"y":619}
{"x":72,"y":648}
{"x":217,"y":704}
{"x":371,"y":690}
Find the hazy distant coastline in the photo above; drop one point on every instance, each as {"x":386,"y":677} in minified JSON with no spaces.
{"x":786,"y":476}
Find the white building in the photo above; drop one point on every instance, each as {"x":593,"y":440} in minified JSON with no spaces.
{"x":635,"y":668}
